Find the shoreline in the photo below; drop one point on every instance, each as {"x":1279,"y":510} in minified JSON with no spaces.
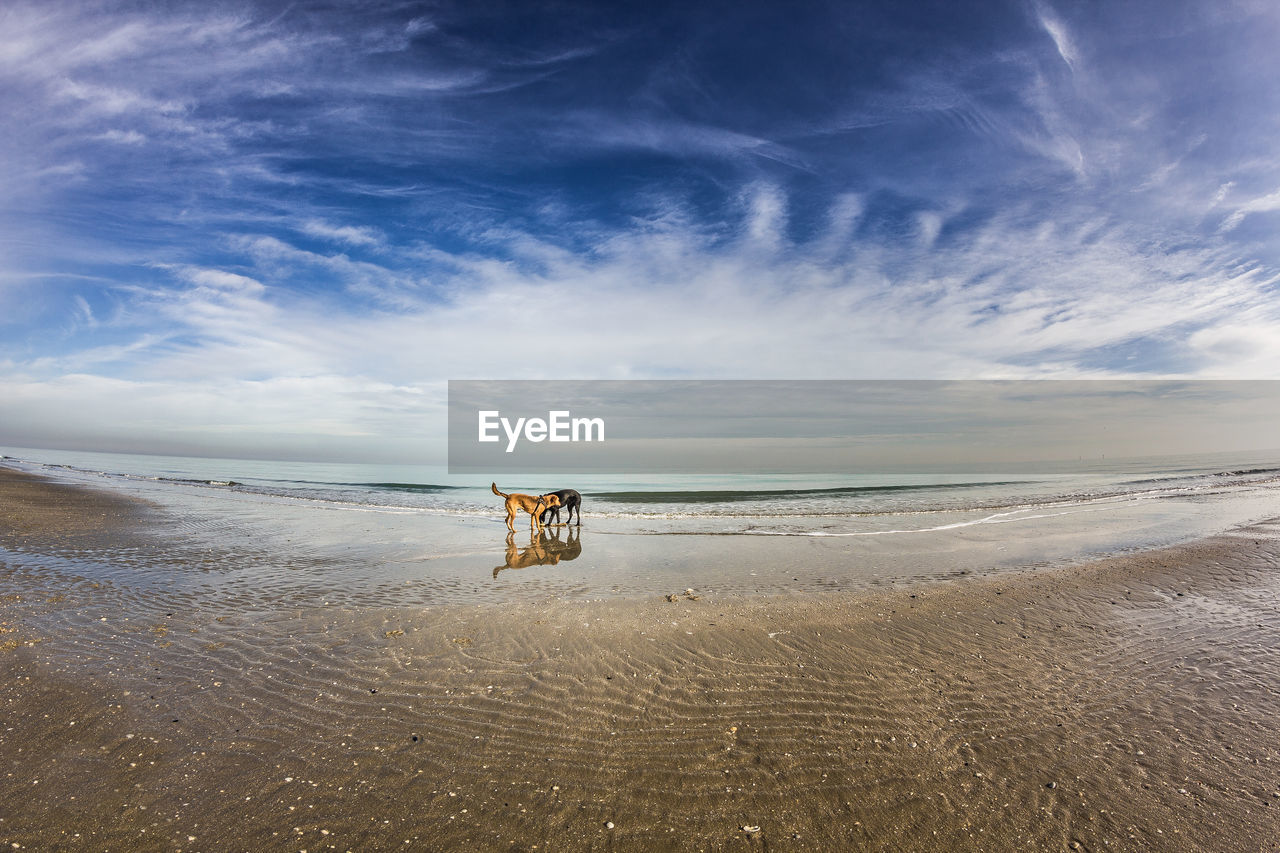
{"x":265,"y":551}
{"x":1129,"y":703}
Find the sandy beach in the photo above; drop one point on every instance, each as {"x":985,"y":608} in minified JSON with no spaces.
{"x":1132,"y":703}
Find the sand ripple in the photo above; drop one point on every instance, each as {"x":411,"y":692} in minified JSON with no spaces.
{"x":1132,"y":704}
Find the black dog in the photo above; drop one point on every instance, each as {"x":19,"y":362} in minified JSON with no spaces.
{"x":570,"y":500}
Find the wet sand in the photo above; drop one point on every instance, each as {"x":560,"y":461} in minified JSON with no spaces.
{"x":1128,"y":704}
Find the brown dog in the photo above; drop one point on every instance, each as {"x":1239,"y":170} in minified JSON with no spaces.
{"x":532,"y":504}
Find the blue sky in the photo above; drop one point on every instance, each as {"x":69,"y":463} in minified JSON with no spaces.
{"x":277,"y":229}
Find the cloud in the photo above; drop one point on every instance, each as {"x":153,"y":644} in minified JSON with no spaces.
{"x":114,"y":101}
{"x":929,"y":224}
{"x":766,"y":219}
{"x":220,"y":281}
{"x":1261,"y":204}
{"x":123,"y":137}
{"x":353,"y":235}
{"x":1239,"y":348}
{"x":85,"y":312}
{"x":995,"y":299}
{"x":672,"y":136}
{"x":1058,"y":32}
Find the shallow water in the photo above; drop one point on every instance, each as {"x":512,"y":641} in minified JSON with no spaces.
{"x":276,"y":543}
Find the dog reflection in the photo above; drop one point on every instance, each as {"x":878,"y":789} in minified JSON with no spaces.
{"x":546,"y":548}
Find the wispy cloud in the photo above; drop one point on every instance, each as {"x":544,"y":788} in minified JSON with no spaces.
{"x":1262,"y":204}
{"x":355,"y":235}
{"x":1058,"y":32}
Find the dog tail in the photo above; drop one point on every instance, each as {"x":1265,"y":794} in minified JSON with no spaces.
{"x":498,"y":493}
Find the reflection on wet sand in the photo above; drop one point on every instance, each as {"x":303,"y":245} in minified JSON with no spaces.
{"x":546,"y":548}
